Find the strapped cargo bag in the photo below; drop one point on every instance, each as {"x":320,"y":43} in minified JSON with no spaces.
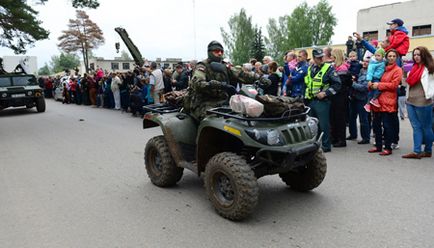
{"x":276,"y":106}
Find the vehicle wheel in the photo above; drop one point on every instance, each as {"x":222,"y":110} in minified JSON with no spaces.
{"x":231,"y":185}
{"x":159,"y":164}
{"x":40,"y":104}
{"x":308,"y":177}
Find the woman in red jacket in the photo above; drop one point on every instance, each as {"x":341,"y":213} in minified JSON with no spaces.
{"x":383,"y":116}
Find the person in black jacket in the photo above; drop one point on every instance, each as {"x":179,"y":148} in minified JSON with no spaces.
{"x":181,"y":80}
{"x":273,"y":88}
{"x":350,"y":45}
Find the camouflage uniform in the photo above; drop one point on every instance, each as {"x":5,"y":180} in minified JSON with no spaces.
{"x":203,"y":94}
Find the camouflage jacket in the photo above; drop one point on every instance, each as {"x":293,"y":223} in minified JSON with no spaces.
{"x":202,"y":97}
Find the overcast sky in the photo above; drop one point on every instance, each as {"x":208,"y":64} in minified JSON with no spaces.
{"x":165,"y":28}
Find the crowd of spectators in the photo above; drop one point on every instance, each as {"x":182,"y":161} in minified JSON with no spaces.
{"x":367,"y":82}
{"x":126,"y":91}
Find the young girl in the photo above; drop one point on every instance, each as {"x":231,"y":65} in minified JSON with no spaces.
{"x":375,"y":72}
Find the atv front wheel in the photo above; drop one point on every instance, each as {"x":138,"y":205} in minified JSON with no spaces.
{"x":231,"y":186}
{"x":308,"y":177}
{"x":40,"y":104}
{"x":159,"y":164}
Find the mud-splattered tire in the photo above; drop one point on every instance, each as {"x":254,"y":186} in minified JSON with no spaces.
{"x":231,"y":186}
{"x":308,"y":177}
{"x":159,"y":164}
{"x":40,"y":104}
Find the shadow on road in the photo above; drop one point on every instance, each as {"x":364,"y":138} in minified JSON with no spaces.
{"x":10,"y":112}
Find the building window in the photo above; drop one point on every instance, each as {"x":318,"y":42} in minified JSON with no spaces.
{"x":115,"y":66}
{"x":370,"y":35}
{"x":422,"y":30}
{"x":125,"y":66}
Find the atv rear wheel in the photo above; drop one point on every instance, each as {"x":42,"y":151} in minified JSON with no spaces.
{"x":40,"y":104}
{"x":159,"y":164}
{"x":231,"y":186}
{"x":308,"y":177}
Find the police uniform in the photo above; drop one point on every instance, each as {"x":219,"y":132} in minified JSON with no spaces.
{"x":321,"y":78}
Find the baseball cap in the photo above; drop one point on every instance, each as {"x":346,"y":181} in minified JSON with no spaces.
{"x":317,"y":53}
{"x":396,"y":21}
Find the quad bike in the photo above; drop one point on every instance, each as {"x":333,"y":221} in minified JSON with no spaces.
{"x":231,"y":151}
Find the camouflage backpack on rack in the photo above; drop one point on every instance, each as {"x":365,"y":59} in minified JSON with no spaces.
{"x":175,"y":98}
{"x":275,"y":106}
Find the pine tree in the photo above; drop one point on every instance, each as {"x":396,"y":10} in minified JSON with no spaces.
{"x":258,"y":48}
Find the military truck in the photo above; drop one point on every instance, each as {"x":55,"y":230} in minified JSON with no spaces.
{"x":19,"y":89}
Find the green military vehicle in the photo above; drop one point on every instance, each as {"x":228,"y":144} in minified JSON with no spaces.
{"x":18,"y":89}
{"x":232,"y":151}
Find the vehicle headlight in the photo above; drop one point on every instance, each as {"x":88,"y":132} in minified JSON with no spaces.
{"x":5,"y":94}
{"x":29,"y":93}
{"x":312,"y":122}
{"x":269,"y":137}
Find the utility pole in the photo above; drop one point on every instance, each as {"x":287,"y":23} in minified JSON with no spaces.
{"x":194,"y":28}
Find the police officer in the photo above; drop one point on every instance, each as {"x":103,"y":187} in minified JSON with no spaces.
{"x":322,"y":82}
{"x":213,"y":82}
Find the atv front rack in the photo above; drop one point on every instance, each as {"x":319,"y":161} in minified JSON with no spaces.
{"x":289,"y":115}
{"x":161,"y":108}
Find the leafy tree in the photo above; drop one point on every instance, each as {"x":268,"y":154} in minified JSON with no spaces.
{"x":306,"y":26}
{"x":64,"y":61}
{"x":299,"y":27}
{"x":125,"y":55}
{"x":19,"y":27}
{"x":239,"y":39}
{"x":82,"y":36}
{"x":258,"y":47}
{"x":323,"y":22}
{"x":277,"y":40}
{"x":93,"y":4}
{"x":44,"y":70}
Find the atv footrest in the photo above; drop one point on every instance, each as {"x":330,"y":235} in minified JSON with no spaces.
{"x":161,"y":108}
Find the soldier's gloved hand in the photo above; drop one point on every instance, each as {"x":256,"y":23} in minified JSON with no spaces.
{"x":230,"y":89}
{"x":264,"y":81}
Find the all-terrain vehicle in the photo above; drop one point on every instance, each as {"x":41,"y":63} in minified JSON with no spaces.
{"x":17,"y":89}
{"x":232,"y":151}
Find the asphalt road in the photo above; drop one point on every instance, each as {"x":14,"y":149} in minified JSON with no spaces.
{"x":74,"y":177}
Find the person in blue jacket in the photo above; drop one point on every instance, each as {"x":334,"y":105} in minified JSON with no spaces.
{"x":376,"y":69}
{"x":295,"y":84}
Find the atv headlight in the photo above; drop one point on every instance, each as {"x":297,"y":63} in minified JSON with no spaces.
{"x":5,"y":94}
{"x":269,"y":137}
{"x":312,"y":122}
{"x":29,"y":93}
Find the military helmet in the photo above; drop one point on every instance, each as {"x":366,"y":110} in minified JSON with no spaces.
{"x":214,"y":45}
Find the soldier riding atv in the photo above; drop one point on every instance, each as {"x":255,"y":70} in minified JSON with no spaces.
{"x":231,"y":150}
